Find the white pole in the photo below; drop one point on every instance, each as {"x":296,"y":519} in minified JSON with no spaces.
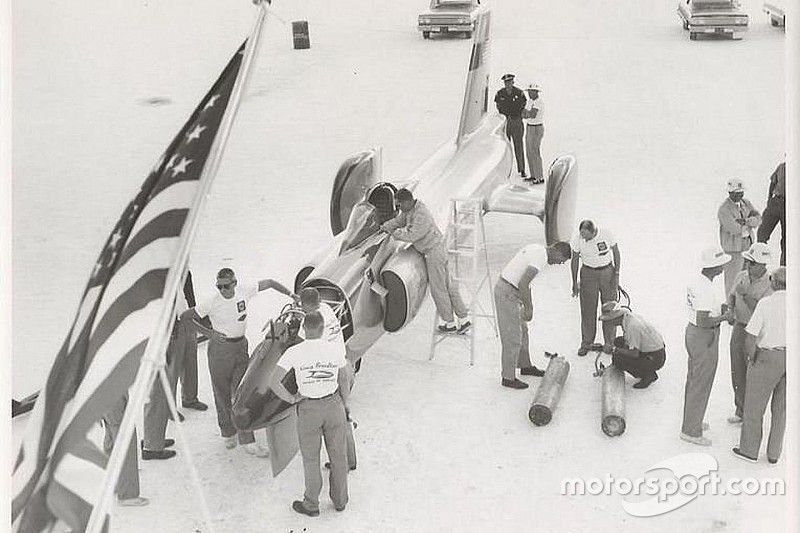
{"x":156,"y":347}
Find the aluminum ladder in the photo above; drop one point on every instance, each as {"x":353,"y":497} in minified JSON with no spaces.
{"x":468,"y":267}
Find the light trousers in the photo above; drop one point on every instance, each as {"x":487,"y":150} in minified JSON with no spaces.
{"x":702,"y":345}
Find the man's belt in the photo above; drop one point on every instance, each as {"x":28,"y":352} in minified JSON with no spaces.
{"x":334,"y":393}
{"x":597,"y":268}
{"x":233,"y":339}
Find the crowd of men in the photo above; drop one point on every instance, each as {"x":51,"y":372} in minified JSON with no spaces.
{"x":754,"y":306}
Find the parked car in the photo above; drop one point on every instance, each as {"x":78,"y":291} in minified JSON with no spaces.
{"x":450,"y":16}
{"x":717,"y":17}
{"x":777,"y":17}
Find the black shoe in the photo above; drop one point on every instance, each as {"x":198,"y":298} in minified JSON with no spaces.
{"x":464,"y":327}
{"x":197,"y":405}
{"x":444,"y":328}
{"x":531,"y":371}
{"x":738,"y":453}
{"x":168,"y":443}
{"x":644,"y":382}
{"x":328,"y":466}
{"x":771,"y":460}
{"x":514,"y":384}
{"x":298,"y":506}
{"x":583,"y":350}
{"x":522,"y":173}
{"x":147,"y":455}
{"x":340,"y":509}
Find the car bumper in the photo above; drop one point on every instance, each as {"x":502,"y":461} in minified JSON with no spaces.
{"x":717,"y":28}
{"x":444,"y":28}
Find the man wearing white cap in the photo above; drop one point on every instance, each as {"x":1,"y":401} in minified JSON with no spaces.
{"x":705,"y":313}
{"x":640,"y":350}
{"x":737,"y":220}
{"x":766,"y":374}
{"x":749,"y":286}
{"x":533,"y":117}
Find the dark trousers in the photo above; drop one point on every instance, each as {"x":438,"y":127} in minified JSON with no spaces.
{"x":594,"y":282}
{"x":514,"y":131}
{"x":644,"y":366}
{"x":774,"y":214}
{"x":128,"y":481}
{"x":227,"y":363}
{"x":316,"y":420}
{"x":738,"y":366}
{"x":182,"y":346}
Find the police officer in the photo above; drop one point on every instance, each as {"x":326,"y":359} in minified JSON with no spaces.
{"x":640,"y":350}
{"x":597,"y":249}
{"x":766,"y":374}
{"x":775,"y":212}
{"x":510,"y":102}
{"x":749,"y":286}
{"x":415,"y":224}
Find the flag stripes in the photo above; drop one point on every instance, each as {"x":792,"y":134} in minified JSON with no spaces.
{"x":59,"y":474}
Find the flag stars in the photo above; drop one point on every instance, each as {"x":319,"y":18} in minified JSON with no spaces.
{"x":195,"y":133}
{"x":115,"y":237}
{"x":180,"y":168}
{"x":211,"y":102}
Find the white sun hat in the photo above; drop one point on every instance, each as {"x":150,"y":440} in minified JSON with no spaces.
{"x":713,"y":256}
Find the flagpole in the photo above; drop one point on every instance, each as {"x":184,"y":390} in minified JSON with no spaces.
{"x":156,"y":347}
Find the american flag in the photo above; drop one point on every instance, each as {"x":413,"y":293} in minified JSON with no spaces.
{"x":58,"y":471}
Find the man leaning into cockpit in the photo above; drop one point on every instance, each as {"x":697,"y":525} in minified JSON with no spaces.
{"x":415,"y":224}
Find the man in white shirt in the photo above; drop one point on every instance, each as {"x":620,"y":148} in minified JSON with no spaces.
{"x":766,"y":374}
{"x":597,"y":249}
{"x":533,"y":117}
{"x":310,"y":302}
{"x":322,"y":410}
{"x":705,"y":312}
{"x":512,"y":297}
{"x":227,"y":347}
{"x":640,"y":351}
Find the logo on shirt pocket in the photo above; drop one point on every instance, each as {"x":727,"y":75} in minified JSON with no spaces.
{"x":601,"y":246}
{"x":240,"y":306}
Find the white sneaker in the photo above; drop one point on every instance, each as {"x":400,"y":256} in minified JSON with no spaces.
{"x":254,"y":448}
{"x":134,"y":502}
{"x":735,"y":419}
{"x":230,"y":442}
{"x":700,"y":441}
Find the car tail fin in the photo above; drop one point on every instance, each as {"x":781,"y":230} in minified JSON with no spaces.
{"x":476,"y":94}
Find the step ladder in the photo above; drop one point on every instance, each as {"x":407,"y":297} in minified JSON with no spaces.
{"x":468,"y":267}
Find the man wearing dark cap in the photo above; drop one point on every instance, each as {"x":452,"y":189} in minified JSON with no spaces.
{"x":640,"y":349}
{"x":415,"y":224}
{"x":510,"y":102}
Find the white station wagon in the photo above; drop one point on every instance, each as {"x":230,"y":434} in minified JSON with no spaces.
{"x":450,"y":16}
{"x":717,"y":17}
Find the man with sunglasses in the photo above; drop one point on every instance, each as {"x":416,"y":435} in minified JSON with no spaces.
{"x":227,"y":347}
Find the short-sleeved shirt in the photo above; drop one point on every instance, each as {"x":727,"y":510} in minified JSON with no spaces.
{"x":229,"y":316}
{"x":333,"y":328}
{"x":316,"y":365}
{"x":538,"y":120}
{"x":596,"y":252}
{"x":755,"y":289}
{"x":640,"y":334}
{"x":701,"y":295}
{"x":531,"y":255}
{"x":768,"y":323}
